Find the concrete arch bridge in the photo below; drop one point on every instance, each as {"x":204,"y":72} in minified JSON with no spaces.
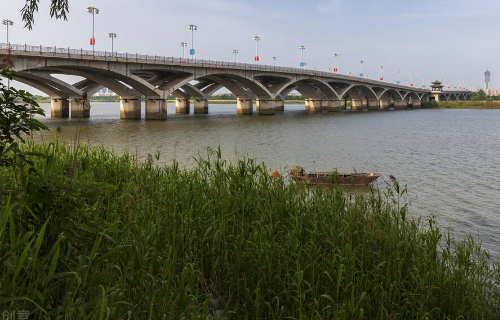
{"x":133,"y":76}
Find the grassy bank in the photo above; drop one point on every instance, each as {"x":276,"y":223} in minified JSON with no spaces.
{"x":94,"y":235}
{"x":469,"y":104}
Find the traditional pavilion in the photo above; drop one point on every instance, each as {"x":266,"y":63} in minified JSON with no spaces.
{"x":437,"y":86}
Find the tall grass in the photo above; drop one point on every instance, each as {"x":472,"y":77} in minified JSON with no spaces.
{"x":94,"y":235}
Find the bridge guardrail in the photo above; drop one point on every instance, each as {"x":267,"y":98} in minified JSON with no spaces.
{"x":190,"y":62}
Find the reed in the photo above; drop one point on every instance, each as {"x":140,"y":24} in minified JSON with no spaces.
{"x":94,"y":235}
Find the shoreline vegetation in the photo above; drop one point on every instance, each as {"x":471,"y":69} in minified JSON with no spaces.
{"x":104,"y":235}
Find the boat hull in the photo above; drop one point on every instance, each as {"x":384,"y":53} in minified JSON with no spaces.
{"x":341,"y":179}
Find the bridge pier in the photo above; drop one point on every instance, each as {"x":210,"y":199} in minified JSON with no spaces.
{"x":357,"y":105}
{"x":130,"y":108}
{"x":182,"y":105}
{"x":156,"y":109}
{"x":279,"y":105}
{"x":373,"y":104}
{"x":384,"y":104}
{"x":314,"y":105}
{"x":400,"y":105}
{"x":333,"y":106}
{"x":244,"y":106}
{"x":342,"y":105}
{"x":59,"y":108}
{"x":265,"y":107}
{"x":80,"y":108}
{"x":200,"y":106}
{"x":416,"y":104}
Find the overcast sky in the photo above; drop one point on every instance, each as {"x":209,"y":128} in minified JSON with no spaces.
{"x":452,"y":40}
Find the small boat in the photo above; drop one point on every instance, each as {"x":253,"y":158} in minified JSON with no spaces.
{"x":333,"y":178}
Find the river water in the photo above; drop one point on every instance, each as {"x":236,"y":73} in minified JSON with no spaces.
{"x":450,"y":159}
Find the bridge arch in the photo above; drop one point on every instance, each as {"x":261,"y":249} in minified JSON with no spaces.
{"x":359,"y":95}
{"x":42,"y":86}
{"x":310,"y":89}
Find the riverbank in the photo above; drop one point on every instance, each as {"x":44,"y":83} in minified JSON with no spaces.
{"x":98,"y":233}
{"x":469,"y":105}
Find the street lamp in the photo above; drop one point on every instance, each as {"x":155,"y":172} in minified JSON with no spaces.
{"x":381,"y":73}
{"x":257,"y":58}
{"x":7,"y":23}
{"x":274,"y":60}
{"x":93,"y":11}
{"x":361,"y":62}
{"x":398,"y":82}
{"x":235,"y":52}
{"x":302,"y":63}
{"x":112,"y":35}
{"x":193,"y":28}
{"x":183,"y":45}
{"x":335,"y":56}
{"x":411,"y":84}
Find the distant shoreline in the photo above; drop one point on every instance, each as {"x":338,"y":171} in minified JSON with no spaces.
{"x":117,"y":99}
{"x":469,"y":104}
{"x":495,"y":104}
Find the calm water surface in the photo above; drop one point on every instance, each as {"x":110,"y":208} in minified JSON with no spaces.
{"x":450,"y":159}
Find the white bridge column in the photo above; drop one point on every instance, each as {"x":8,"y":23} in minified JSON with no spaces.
{"x":130,"y":108}
{"x":279,"y":105}
{"x":182,"y":105}
{"x":416,"y":104}
{"x":384,"y":104}
{"x":314,"y":105}
{"x":244,"y":106}
{"x":373,"y":104}
{"x":59,"y":108}
{"x":200,"y":106}
{"x":156,"y":109}
{"x":333,"y":106}
{"x":80,"y":108}
{"x":357,"y":105}
{"x":400,"y":105}
{"x":265,"y":107}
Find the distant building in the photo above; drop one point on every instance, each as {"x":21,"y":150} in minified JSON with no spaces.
{"x":104,"y":92}
{"x":487,"y":79}
{"x":437,"y":86}
{"x":495,"y":92}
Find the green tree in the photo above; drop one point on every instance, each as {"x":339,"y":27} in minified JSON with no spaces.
{"x":17,"y":107}
{"x":480,"y":95}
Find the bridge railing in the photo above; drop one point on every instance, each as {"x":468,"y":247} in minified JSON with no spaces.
{"x":187,"y":61}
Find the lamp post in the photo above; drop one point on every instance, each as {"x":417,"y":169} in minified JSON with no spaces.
{"x":93,"y":11}
{"x":335,"y":56}
{"x":183,"y":45}
{"x":398,"y":82}
{"x":235,"y":52}
{"x":302,"y":63}
{"x":7,"y":23}
{"x":361,"y":62}
{"x":193,"y":28}
{"x":257,"y":58}
{"x":112,"y":35}
{"x":411,"y":84}
{"x":381,"y":73}
{"x":274,"y":60}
